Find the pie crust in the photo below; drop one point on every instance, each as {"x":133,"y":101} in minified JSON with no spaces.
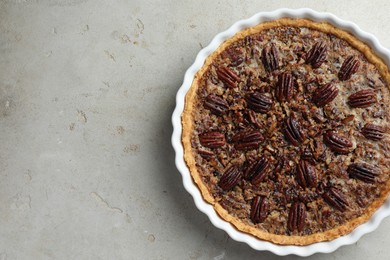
{"x":192,"y":105}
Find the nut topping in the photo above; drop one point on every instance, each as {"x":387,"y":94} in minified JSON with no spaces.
{"x":362,"y":99}
{"x":259,"y":102}
{"x":306,"y":174}
{"x":317,"y":55}
{"x":350,"y":66}
{"x":335,"y":198}
{"x":325,"y":94}
{"x":247,"y":140}
{"x":212,"y":139}
{"x":270,"y":58}
{"x":297,"y":217}
{"x":286,"y":128}
{"x":373,"y":132}
{"x":230,"y":178}
{"x":259,"y":209}
{"x":337,"y":142}
{"x":284,"y":89}
{"x":363,"y":171}
{"x":216,"y":104}
{"x":293,"y":131}
{"x":228,"y":77}
{"x":257,"y":171}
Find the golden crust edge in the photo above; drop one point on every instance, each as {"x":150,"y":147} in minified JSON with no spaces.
{"x":188,"y":127}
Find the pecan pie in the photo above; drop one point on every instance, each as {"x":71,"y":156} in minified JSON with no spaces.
{"x":285,"y":131}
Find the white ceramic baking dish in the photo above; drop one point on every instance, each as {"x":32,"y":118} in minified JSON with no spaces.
{"x":322,"y":247}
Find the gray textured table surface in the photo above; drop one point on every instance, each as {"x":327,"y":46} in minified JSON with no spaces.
{"x":87,"y":90}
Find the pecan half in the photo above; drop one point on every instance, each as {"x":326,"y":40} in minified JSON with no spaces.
{"x":350,"y":66}
{"x":284,"y":89}
{"x":363,"y":98}
{"x":212,"y":139}
{"x":373,"y":132}
{"x":257,"y":171}
{"x":235,"y":55}
{"x":335,"y":198}
{"x":307,"y":155}
{"x":205,"y":154}
{"x":270,"y":58}
{"x":337,"y":143}
{"x":347,"y":119}
{"x":297,"y":217}
{"x":230,"y":178}
{"x":216,"y":104}
{"x":254,"y":120}
{"x":259,"y":209}
{"x":363,"y":171}
{"x":293,"y":131}
{"x":325,"y":94}
{"x":228,"y":77}
{"x":249,"y":139}
{"x":306,"y":174}
{"x":259,"y":102}
{"x":317,"y":54}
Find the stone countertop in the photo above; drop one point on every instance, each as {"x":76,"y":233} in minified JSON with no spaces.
{"x":87,"y":89}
